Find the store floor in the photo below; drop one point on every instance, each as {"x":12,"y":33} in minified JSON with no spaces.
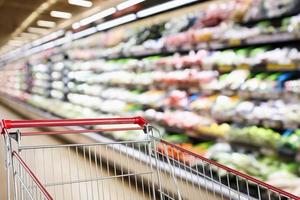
{"x":110,"y":189}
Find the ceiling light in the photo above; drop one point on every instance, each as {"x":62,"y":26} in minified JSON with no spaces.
{"x":15,"y":42}
{"x":29,"y":35}
{"x":48,"y":38}
{"x":116,"y":22}
{"x":60,"y":14}
{"x":37,"y":30}
{"x":163,"y":7}
{"x":44,"y":23}
{"x":76,"y":25}
{"x":58,"y":33}
{"x":84,"y":33}
{"x":47,"y":45}
{"x":5,"y":48}
{"x":27,"y":46}
{"x":82,"y":3}
{"x":21,"y":38}
{"x":61,"y":41}
{"x":97,"y":16}
{"x":127,"y":4}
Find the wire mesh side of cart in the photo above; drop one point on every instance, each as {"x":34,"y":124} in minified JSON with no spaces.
{"x":197,"y":177}
{"x":21,"y":182}
{"x":79,"y":171}
{"x":168,"y":173}
{"x":26,"y":184}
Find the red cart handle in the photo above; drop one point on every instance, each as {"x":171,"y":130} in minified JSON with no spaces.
{"x":8,"y":124}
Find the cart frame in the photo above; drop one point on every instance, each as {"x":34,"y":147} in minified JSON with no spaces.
{"x":186,"y":171}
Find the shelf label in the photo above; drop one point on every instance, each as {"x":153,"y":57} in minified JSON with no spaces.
{"x":234,"y":42}
{"x":290,"y":66}
{"x":275,"y":66}
{"x":272,"y":66}
{"x":225,"y":68}
{"x":243,"y":66}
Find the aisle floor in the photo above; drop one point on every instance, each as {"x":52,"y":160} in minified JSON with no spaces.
{"x":110,"y":189}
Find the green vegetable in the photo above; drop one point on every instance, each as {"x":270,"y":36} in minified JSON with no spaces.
{"x":177,"y":138}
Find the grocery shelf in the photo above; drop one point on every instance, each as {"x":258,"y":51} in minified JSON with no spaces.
{"x":242,"y":94}
{"x":275,"y":19}
{"x":264,"y":123}
{"x":284,"y":153}
{"x":195,"y":135}
{"x":200,"y":136}
{"x":276,"y":39}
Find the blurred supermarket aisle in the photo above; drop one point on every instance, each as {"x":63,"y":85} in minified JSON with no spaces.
{"x":110,"y":189}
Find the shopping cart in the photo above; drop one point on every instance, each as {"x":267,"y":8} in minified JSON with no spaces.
{"x":146,"y":168}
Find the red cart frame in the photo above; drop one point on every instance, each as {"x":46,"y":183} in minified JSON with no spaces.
{"x":149,"y":166}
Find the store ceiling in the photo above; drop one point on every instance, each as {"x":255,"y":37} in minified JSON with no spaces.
{"x":16,"y":16}
{"x":14,"y":12}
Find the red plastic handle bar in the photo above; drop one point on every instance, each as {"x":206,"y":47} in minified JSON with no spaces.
{"x":8,"y":124}
{"x":34,"y":178}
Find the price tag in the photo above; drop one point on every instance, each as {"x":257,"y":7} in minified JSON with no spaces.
{"x":225,"y":68}
{"x":243,"y":66}
{"x":234,"y":42}
{"x":274,"y":66}
{"x":291,"y":66}
{"x":193,"y":89}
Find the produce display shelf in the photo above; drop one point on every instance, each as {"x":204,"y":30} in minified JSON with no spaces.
{"x":277,"y":39}
{"x":284,"y":153}
{"x":130,"y":86}
{"x":196,"y":135}
{"x":275,"y":19}
{"x":266,"y":67}
{"x":285,"y":95}
{"x":276,"y":125}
